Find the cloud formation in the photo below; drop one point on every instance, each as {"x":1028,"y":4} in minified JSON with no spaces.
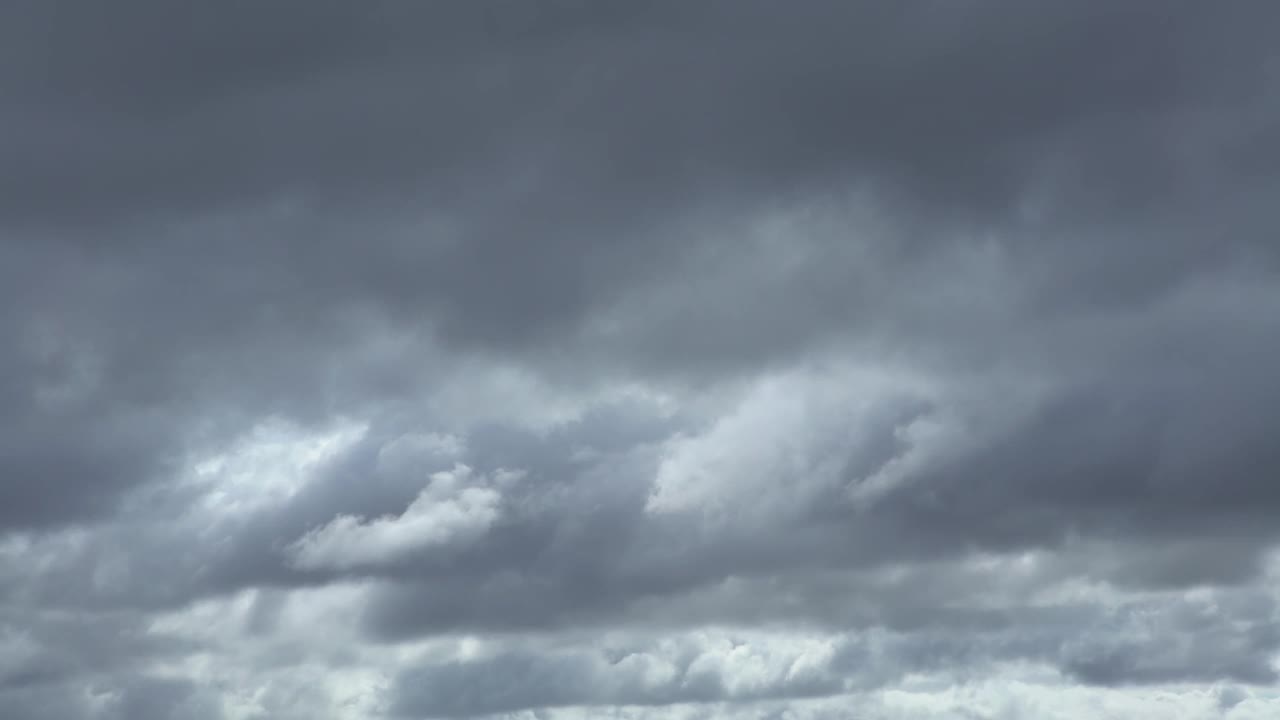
{"x":446,"y":512}
{"x":720,"y":359}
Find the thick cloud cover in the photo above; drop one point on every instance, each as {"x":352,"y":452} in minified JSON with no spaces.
{"x":724,"y":359}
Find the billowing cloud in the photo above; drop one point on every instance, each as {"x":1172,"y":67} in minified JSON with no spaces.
{"x":448,"y":511}
{"x":721,"y":359}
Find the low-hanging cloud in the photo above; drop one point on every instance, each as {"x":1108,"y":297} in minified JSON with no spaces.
{"x":718,"y":359}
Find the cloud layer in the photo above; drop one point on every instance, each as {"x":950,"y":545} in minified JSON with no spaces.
{"x":657,"y":360}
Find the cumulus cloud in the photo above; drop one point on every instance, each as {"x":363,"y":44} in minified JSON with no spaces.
{"x":726,"y":359}
{"x":448,"y":511}
{"x":695,"y":669}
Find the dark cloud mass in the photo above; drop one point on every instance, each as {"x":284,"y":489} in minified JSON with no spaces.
{"x":720,"y":359}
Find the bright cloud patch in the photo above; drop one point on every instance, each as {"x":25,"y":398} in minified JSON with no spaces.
{"x":455,"y":508}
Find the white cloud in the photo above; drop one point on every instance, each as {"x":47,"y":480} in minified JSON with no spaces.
{"x":457,"y":507}
{"x":791,"y":435}
{"x":268,"y":466}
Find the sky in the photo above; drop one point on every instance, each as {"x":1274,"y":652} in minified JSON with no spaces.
{"x":577,"y":359}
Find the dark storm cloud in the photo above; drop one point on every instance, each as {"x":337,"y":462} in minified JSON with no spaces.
{"x":955,"y":321}
{"x":586,"y":125}
{"x":338,"y":95}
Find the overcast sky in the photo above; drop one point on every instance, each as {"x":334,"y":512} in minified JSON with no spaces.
{"x":575,"y":359}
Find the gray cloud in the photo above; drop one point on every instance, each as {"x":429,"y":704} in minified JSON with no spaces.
{"x":503,"y":343}
{"x":1141,"y":642}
